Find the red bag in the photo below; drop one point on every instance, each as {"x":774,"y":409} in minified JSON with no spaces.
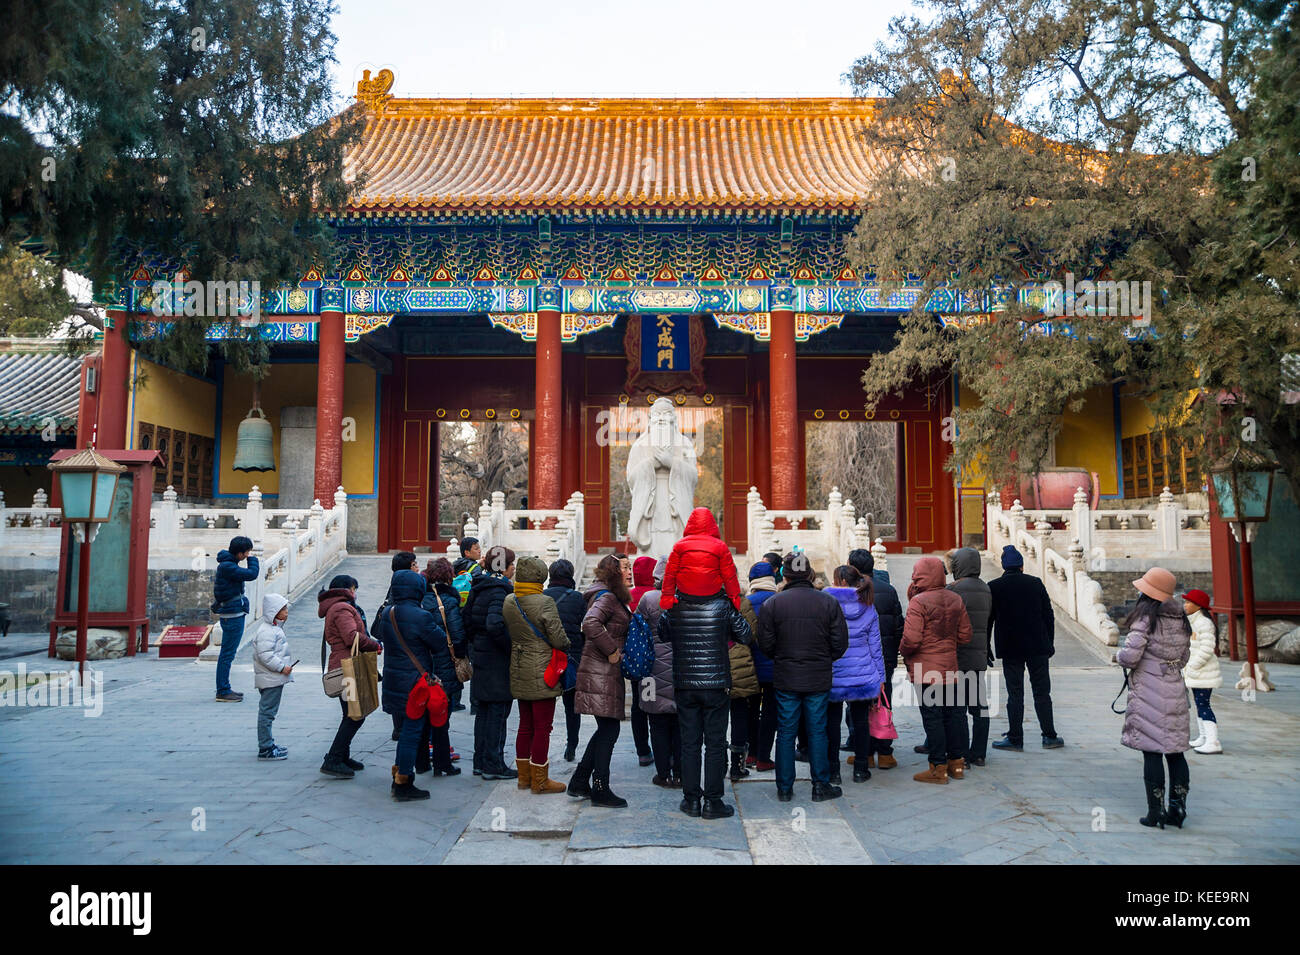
{"x":880,"y":719}
{"x":427,"y":694}
{"x":439,"y":706}
{"x":555,"y":669}
{"x":559,"y":659}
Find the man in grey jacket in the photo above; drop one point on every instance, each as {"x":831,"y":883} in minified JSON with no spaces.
{"x":973,"y":658}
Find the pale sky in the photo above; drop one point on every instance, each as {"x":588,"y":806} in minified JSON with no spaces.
{"x":572,"y":48}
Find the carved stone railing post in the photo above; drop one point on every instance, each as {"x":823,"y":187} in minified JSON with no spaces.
{"x":1167,"y":522}
{"x":485,"y":525}
{"x":254,"y":525}
{"x":879,"y":555}
{"x":1081,"y":520}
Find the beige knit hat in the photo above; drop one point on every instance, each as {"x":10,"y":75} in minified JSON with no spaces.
{"x":1157,"y":583}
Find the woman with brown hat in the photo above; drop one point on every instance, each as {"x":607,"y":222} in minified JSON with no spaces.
{"x":1156,"y":718}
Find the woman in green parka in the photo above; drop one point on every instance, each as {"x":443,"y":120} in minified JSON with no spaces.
{"x":533,"y":623}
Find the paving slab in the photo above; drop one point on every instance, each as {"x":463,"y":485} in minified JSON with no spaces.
{"x":646,"y":855}
{"x":599,"y":828}
{"x":506,"y":848}
{"x":824,"y":841}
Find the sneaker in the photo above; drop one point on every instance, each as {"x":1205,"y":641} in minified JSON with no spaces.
{"x":646,"y":760}
{"x":765,"y":765}
{"x":1053,"y":742}
{"x":455,"y":756}
{"x":1009,"y":744}
{"x":230,"y":698}
{"x":274,"y":753}
{"x":456,"y":708}
{"x":282,"y":750}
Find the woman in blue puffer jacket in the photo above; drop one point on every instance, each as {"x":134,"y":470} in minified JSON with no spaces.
{"x":855,"y":677}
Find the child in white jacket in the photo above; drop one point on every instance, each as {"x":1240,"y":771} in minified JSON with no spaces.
{"x":1201,"y":673}
{"x":272,"y":669}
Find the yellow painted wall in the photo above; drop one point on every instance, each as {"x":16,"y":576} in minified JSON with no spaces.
{"x":1135,"y":417}
{"x":1087,"y":438}
{"x":292,"y":385}
{"x":170,"y":399}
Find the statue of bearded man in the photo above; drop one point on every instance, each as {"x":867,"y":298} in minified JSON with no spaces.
{"x":661,"y":474}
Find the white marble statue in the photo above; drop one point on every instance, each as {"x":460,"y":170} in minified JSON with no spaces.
{"x":661,"y":475}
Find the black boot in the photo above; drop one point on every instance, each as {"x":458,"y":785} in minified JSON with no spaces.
{"x":602,"y":795}
{"x":738,"y":770}
{"x":824,"y":791}
{"x":691,"y":806}
{"x":860,"y":775}
{"x":1177,"y":811}
{"x":404,"y":789}
{"x":835,"y":773}
{"x":1155,"y":807}
{"x":333,"y":766}
{"x":580,"y":781}
{"x":570,"y":752}
{"x":715,"y":808}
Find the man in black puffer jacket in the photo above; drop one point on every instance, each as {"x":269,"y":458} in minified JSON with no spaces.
{"x":804,"y":632}
{"x":572,"y":609}
{"x":890,"y":611}
{"x":699,"y":629}
{"x":973,"y":657}
{"x":489,"y":687}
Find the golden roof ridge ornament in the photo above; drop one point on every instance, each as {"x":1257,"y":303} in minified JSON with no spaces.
{"x":374,"y":93}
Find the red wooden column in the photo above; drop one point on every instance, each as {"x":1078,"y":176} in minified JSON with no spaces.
{"x":783,"y":412}
{"x":115,"y":382}
{"x":329,"y":397}
{"x":762,"y":435}
{"x":548,"y":418}
{"x":570,"y":439}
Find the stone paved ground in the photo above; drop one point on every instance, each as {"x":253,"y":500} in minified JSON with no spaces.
{"x":133,"y":785}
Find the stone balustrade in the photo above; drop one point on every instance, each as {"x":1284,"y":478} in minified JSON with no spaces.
{"x":839,"y":529}
{"x":295,"y":546}
{"x":549,"y":533}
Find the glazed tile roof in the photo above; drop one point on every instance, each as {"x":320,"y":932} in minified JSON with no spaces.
{"x":531,"y":155}
{"x":35,"y":388}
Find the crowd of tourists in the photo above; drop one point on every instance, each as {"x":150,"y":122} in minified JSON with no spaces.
{"x":720,"y":679}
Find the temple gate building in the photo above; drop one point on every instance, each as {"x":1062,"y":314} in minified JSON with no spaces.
{"x":553,"y":264}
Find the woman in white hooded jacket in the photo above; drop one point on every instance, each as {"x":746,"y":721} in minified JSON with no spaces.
{"x":272,"y":669}
{"x":1202,"y":671}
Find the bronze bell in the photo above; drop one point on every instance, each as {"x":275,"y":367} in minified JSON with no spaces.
{"x":253,"y":448}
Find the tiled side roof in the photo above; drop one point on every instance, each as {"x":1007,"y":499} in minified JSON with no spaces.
{"x":499,"y":155}
{"x":35,"y":388}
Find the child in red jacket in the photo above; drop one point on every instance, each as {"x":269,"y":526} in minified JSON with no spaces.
{"x":700,"y":563}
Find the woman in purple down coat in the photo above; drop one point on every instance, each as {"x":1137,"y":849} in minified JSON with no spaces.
{"x":1156,"y":718}
{"x":856,"y":676}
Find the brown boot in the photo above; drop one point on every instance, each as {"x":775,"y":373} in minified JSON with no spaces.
{"x":957,"y":768}
{"x":937,"y":773}
{"x":541,"y":777}
{"x":886,"y":761}
{"x":521,"y":765}
{"x":870,"y":764}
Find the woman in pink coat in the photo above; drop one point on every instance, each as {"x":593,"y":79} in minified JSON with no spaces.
{"x":1156,"y":718}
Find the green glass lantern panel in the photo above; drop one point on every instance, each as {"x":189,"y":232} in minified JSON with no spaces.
{"x":1250,"y":500}
{"x":76,"y":488}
